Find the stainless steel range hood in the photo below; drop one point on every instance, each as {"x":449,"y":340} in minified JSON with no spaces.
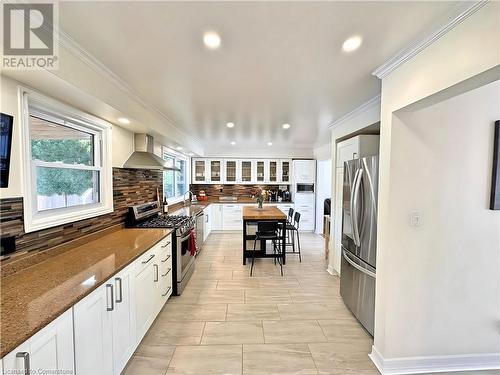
{"x":143,"y":156}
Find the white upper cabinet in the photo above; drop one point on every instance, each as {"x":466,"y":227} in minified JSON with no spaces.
{"x":285,"y":171}
{"x":271,"y":171}
{"x":247,"y":171}
{"x":232,"y":171}
{"x":260,"y":171}
{"x":304,"y":171}
{"x":216,"y":175}
{"x":357,"y":147}
{"x":200,"y":171}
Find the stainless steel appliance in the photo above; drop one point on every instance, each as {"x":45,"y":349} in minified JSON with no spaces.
{"x":199,"y":230}
{"x":147,"y":215}
{"x":305,"y":188}
{"x":286,"y":196}
{"x":359,"y":238}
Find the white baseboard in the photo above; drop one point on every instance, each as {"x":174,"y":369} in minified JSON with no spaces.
{"x":424,"y":365}
{"x":331,"y":271}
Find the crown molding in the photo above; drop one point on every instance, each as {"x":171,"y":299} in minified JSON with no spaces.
{"x":68,"y":43}
{"x":464,"y":12}
{"x":356,"y":112}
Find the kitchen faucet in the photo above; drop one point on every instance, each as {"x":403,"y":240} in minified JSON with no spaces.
{"x":189,"y":192}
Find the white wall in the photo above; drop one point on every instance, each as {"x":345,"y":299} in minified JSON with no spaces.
{"x":123,"y":140}
{"x":323,"y":190}
{"x":438,"y":288}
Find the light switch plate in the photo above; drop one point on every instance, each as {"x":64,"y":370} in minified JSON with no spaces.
{"x":415,"y":218}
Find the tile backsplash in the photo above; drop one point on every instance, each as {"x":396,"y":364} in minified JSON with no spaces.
{"x":237,"y":190}
{"x":130,"y":186}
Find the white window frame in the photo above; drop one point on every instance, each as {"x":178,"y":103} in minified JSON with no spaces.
{"x":34,"y":103}
{"x":176,"y":155}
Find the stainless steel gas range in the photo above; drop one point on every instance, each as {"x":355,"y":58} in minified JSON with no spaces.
{"x":148,"y":215}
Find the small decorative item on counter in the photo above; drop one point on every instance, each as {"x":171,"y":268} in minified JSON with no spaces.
{"x":202,"y":196}
{"x":261,"y":196}
{"x":165,"y":205}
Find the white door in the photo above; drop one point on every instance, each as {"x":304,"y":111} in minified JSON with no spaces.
{"x":50,"y":349}
{"x":144,"y":294}
{"x":271,"y":171}
{"x":232,"y":173}
{"x":247,"y":171}
{"x":215,"y":171}
{"x":123,"y":323}
{"x":260,"y":171}
{"x":200,"y":171}
{"x":93,"y":332}
{"x":216,"y":217}
{"x":323,"y":191}
{"x":285,"y":171}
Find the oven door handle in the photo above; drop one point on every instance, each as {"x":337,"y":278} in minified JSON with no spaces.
{"x":185,"y":237}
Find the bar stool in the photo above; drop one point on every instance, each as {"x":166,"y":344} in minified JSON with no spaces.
{"x":293,"y":228}
{"x":268,"y":231}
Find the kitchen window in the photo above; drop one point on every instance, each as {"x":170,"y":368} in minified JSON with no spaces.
{"x":175,"y":183}
{"x":67,"y":168}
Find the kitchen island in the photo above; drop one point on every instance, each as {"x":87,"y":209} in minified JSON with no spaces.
{"x":251,"y":216}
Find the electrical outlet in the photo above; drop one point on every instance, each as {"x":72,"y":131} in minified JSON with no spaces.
{"x":415,"y":218}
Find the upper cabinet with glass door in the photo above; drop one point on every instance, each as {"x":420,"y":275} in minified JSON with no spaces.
{"x":272,"y":171}
{"x":260,"y":172}
{"x":247,"y":173}
{"x":200,"y":175}
{"x":285,"y":171}
{"x":216,"y":175}
{"x":232,"y":170}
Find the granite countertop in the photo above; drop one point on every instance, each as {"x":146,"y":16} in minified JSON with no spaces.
{"x":33,"y":297}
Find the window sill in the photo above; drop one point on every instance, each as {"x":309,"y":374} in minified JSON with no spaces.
{"x":172,"y":201}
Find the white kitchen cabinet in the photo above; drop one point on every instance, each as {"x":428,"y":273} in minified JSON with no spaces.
{"x":285,"y":171}
{"x":93,"y":327}
{"x":232,"y":217}
{"x":304,"y":171}
{"x":123,"y":320}
{"x":285,"y":207}
{"x":200,"y":171}
{"x":163,"y":285}
{"x":357,"y":147}
{"x":216,"y":215}
{"x":207,"y":221}
{"x":144,"y":295}
{"x":248,"y":171}
{"x":305,"y":205}
{"x":260,"y":171}
{"x":232,"y":171}
{"x":216,"y":169}
{"x":271,"y":171}
{"x":50,"y":349}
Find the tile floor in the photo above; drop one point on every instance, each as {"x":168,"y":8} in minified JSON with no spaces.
{"x":228,"y":323}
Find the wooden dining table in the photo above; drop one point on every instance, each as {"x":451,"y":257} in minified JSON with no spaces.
{"x":252,"y":215}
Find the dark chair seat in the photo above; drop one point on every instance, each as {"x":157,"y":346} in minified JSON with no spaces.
{"x":267,"y":231}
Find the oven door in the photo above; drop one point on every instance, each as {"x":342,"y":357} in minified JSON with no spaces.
{"x":184,"y":258}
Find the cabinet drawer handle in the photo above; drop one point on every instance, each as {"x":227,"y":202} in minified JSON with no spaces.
{"x":26,"y":361}
{"x":119,"y":280}
{"x":166,"y":272}
{"x":164,"y":246}
{"x":167,"y":258}
{"x":168,"y":290}
{"x":150,"y":257}
{"x":110,"y":287}
{"x":156,"y":272}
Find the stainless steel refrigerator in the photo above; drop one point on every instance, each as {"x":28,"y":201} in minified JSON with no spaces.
{"x":359,"y":238}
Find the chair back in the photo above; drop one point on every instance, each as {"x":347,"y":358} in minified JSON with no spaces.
{"x":270,"y":227}
{"x":296,"y":219}
{"x":290,"y":214}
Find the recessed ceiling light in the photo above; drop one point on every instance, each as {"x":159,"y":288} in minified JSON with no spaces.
{"x":179,"y":148}
{"x":191,"y":154}
{"x":269,"y":143}
{"x":123,"y":120}
{"x":230,"y":124}
{"x":233,"y":143}
{"x":211,"y":40}
{"x":352,"y":43}
{"x":286,"y":126}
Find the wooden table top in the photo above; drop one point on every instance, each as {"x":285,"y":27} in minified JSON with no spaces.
{"x":265,"y":213}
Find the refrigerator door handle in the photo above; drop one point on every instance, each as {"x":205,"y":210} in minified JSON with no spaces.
{"x":354,"y":209}
{"x":357,"y":266}
{"x":351,"y":204}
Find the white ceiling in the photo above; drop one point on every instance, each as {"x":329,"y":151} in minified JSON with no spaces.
{"x":279,"y":61}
